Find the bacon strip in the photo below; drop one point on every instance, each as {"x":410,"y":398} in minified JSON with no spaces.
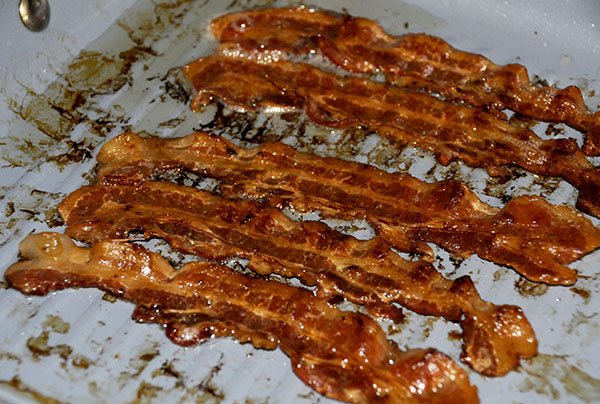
{"x":343,"y":355}
{"x":364,"y":272}
{"x":416,"y":61}
{"x":529,"y":234}
{"x":449,"y":131}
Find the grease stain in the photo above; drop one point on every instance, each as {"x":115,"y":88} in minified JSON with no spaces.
{"x":546,"y":374}
{"x":530,"y":289}
{"x":31,"y":393}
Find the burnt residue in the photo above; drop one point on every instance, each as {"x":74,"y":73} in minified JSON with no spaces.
{"x":583,"y":293}
{"x":241,"y":125}
{"x":246,"y":4}
{"x":68,"y":102}
{"x":456,"y":260}
{"x":250,"y":128}
{"x":80,"y":361}
{"x":527,"y":288}
{"x":545,"y":185}
{"x":502,"y":189}
{"x":30,"y":204}
{"x":209,"y":391}
{"x":555,"y":130}
{"x":9,"y":209}
{"x":171,"y":123}
{"x":146,"y":393}
{"x":56,"y":324}
{"x":455,"y":335}
{"x":146,"y":28}
{"x":311,"y":396}
{"x":538,"y":81}
{"x":545,"y":375}
{"x":176,"y":86}
{"x":17,"y":384}
{"x":167,"y":369}
{"x":11,"y":357}
{"x":39,"y":347}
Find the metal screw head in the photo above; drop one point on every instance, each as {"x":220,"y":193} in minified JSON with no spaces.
{"x":35,"y":14}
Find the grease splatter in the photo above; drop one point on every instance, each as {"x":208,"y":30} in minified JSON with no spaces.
{"x":527,"y":288}
{"x":548,"y":374}
{"x":16,"y":384}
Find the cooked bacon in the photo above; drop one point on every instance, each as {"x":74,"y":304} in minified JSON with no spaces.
{"x":364,"y":272}
{"x":416,"y":61}
{"x":449,"y":131}
{"x":343,"y":355}
{"x":529,"y":234}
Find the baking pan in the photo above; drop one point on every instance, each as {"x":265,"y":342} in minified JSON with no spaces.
{"x":104,"y":67}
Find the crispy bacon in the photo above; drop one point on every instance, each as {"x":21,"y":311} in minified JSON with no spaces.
{"x":343,"y":355}
{"x":449,"y":131}
{"x":364,"y":272}
{"x":416,"y":61}
{"x":529,"y":234}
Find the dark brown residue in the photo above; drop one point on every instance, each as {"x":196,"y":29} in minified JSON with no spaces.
{"x":80,"y":361}
{"x":547,"y":185}
{"x":56,"y":324}
{"x":207,"y":385}
{"x":68,"y":102}
{"x":38,"y":346}
{"x":555,"y":130}
{"x":455,"y":335}
{"x":584,"y":293}
{"x":526,"y":288}
{"x":146,"y":392}
{"x":38,"y":206}
{"x":175,"y":86}
{"x":16,"y":384}
{"x":312,"y":396}
{"x":9,"y":209}
{"x":538,"y":81}
{"x":252,"y":128}
{"x":456,"y":260}
{"x":171,"y":123}
{"x":149,"y":356}
{"x":142,"y":360}
{"x":109,"y":298}
{"x":246,"y":4}
{"x":168,"y":370}
{"x":545,"y":374}
{"x":10,"y":356}
{"x":144,"y":29}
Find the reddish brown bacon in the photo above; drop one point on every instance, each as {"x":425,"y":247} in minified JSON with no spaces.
{"x":416,"y":61}
{"x":449,"y":131}
{"x":365,"y":272}
{"x":343,"y":355}
{"x":529,"y":234}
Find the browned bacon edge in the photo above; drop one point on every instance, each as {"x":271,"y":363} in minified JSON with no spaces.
{"x":529,"y":234}
{"x":416,"y":61}
{"x":449,"y":131}
{"x":343,"y":355}
{"x":364,"y":272}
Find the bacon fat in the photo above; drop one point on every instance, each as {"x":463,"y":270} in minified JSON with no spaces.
{"x":416,"y":61}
